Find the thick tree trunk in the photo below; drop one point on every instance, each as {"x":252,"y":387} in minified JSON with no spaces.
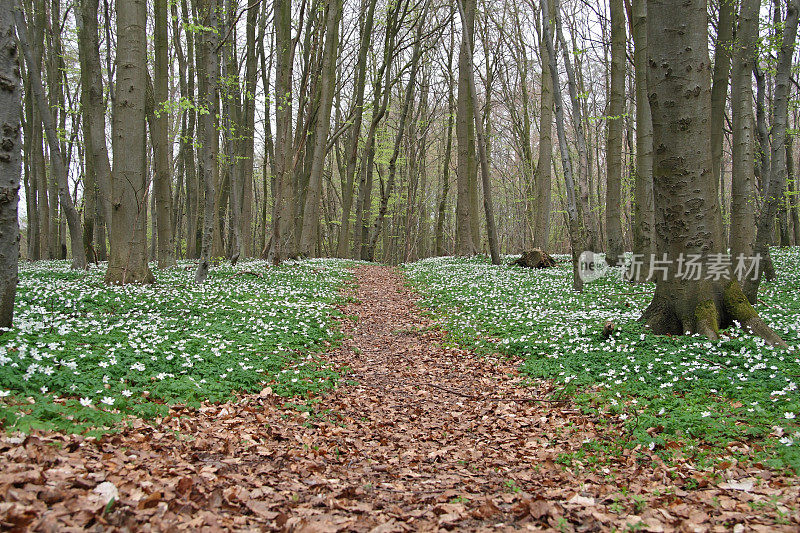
{"x":773,"y":193}
{"x":10,"y":161}
{"x":128,"y":261}
{"x":616,"y":108}
{"x":56,"y":159}
{"x":687,"y":208}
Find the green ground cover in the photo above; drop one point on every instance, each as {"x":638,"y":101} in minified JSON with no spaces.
{"x":677,"y":396}
{"x":83,"y":355}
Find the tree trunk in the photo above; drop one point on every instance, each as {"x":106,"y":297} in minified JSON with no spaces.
{"x":491,"y":228}
{"x":576,"y":235}
{"x":467,"y":242}
{"x":401,"y":128}
{"x":128,"y":261}
{"x":543,"y":177}
{"x":208,"y":67}
{"x":687,"y":208}
{"x":584,"y":210}
{"x":643,"y":218}
{"x":440,"y":215}
{"x":743,"y":193}
{"x":249,"y":112}
{"x":56,"y":159}
{"x":160,"y":136}
{"x":10,"y":161}
{"x":719,"y":90}
{"x":616,"y":109}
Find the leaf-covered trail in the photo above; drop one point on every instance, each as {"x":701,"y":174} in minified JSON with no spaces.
{"x":429,"y":438}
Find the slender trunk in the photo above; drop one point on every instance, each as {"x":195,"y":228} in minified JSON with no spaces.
{"x":719,"y":90}
{"x":643,"y":213}
{"x":773,"y":193}
{"x":491,"y":228}
{"x":249,"y":113}
{"x":401,"y":128}
{"x":577,"y":242}
{"x":440,"y":215}
{"x":743,"y":193}
{"x":584,"y":210}
{"x":208,"y":67}
{"x":161,"y":147}
{"x":543,"y":177}
{"x":614,"y":125}
{"x":328,"y":84}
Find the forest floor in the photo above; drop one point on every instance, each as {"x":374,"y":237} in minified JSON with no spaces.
{"x":418,"y":436}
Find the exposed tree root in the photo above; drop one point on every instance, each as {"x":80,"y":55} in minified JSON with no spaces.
{"x":705,"y":308}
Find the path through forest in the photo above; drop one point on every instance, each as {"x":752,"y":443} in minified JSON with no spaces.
{"x":431,"y":437}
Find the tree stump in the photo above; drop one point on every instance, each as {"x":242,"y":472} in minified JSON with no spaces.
{"x":536,"y":258}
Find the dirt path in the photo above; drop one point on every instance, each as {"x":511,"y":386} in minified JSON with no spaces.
{"x":430,"y":438}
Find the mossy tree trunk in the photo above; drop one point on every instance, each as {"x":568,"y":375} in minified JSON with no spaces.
{"x":686,"y":205}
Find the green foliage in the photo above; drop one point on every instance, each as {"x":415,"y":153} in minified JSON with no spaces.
{"x":703,"y":395}
{"x":85,"y":355}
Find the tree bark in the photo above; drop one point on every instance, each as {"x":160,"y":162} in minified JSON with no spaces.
{"x":355,"y":131}
{"x":128,"y":260}
{"x":743,"y":193}
{"x":10,"y":162}
{"x":488,"y":205}
{"x":719,"y":89}
{"x":616,"y":109}
{"x":544,"y":167}
{"x":687,"y":207}
{"x":161,"y":146}
{"x":467,"y":242}
{"x":643,"y":217}
{"x":401,"y":128}
{"x":208,"y":87}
